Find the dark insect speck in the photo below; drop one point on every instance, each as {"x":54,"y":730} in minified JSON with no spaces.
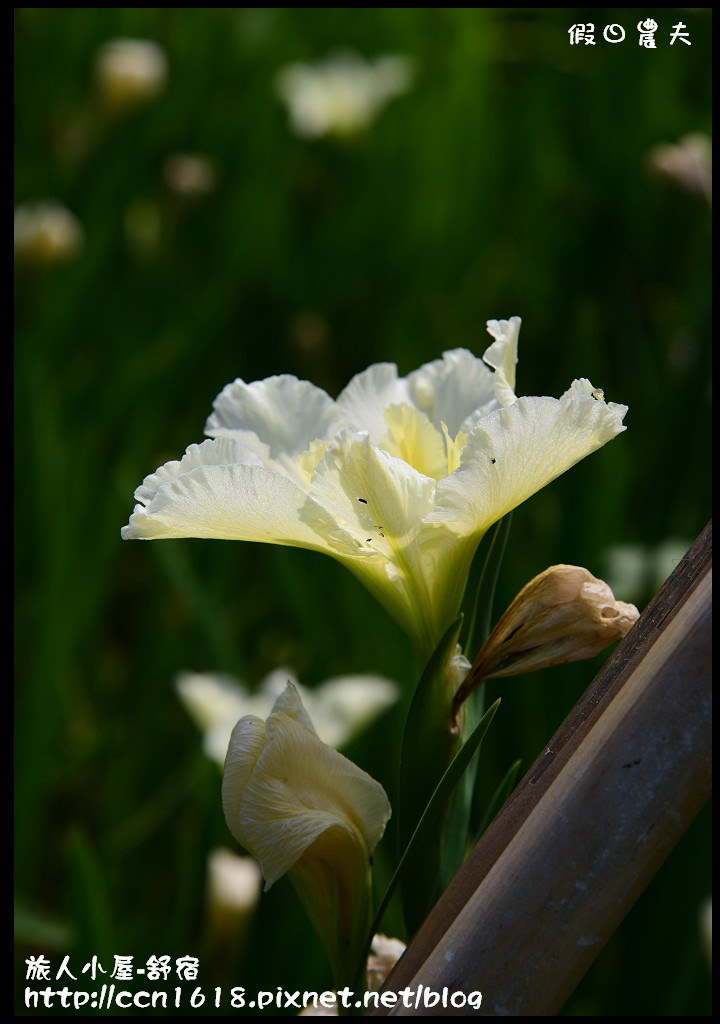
{"x":363,"y":500}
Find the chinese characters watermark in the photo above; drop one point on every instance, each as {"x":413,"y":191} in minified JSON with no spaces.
{"x":583,"y":33}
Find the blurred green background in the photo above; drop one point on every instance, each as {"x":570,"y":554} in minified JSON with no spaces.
{"x":511,"y":178}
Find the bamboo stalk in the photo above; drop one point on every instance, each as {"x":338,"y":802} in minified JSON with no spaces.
{"x":588,"y":826}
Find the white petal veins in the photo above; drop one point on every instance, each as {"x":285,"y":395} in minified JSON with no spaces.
{"x":370,"y":493}
{"x":238,"y":503}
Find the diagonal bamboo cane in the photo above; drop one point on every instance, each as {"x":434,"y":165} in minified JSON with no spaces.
{"x":588,"y":826}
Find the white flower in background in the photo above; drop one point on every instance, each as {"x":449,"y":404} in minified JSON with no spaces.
{"x":384,"y":954}
{"x":340,"y":708}
{"x":190,"y":175}
{"x":46,"y":233}
{"x":303,"y":809}
{"x":130,"y":72}
{"x":342,"y":94}
{"x":233,"y":890}
{"x":688,"y":163}
{"x":636,"y":571}
{"x":399,"y":479}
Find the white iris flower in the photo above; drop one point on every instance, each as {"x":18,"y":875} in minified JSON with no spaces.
{"x":303,"y":809}
{"x":343,"y":94}
{"x":340,"y":707}
{"x":399,"y":478}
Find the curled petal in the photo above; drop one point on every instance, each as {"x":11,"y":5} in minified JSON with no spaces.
{"x":284,"y":787}
{"x":300,"y":807}
{"x":502,"y":356}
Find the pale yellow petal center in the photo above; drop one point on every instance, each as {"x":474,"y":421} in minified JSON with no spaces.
{"x":413,"y":438}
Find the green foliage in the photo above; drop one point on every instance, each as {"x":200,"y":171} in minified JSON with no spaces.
{"x":511,"y":179}
{"x":429,"y":746}
{"x":433,"y":811}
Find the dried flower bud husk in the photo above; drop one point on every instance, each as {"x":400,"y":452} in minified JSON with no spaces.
{"x":565,"y":614}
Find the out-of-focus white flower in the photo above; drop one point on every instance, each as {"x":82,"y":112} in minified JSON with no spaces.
{"x":342,"y":94}
{"x":384,"y":954}
{"x":399,"y":479}
{"x":636,"y":571}
{"x":234,"y":885}
{"x":46,"y":233}
{"x":130,"y":72}
{"x":688,"y":163}
{"x":340,"y":708}
{"x":304,"y":810}
{"x":190,"y":175}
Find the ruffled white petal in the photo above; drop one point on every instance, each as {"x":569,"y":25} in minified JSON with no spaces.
{"x":239,"y":503}
{"x":517,"y":451}
{"x":221,"y":452}
{"x":285,"y":413}
{"x":450,"y":389}
{"x":502,"y":356}
{"x":363,"y":402}
{"x":583,"y":388}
